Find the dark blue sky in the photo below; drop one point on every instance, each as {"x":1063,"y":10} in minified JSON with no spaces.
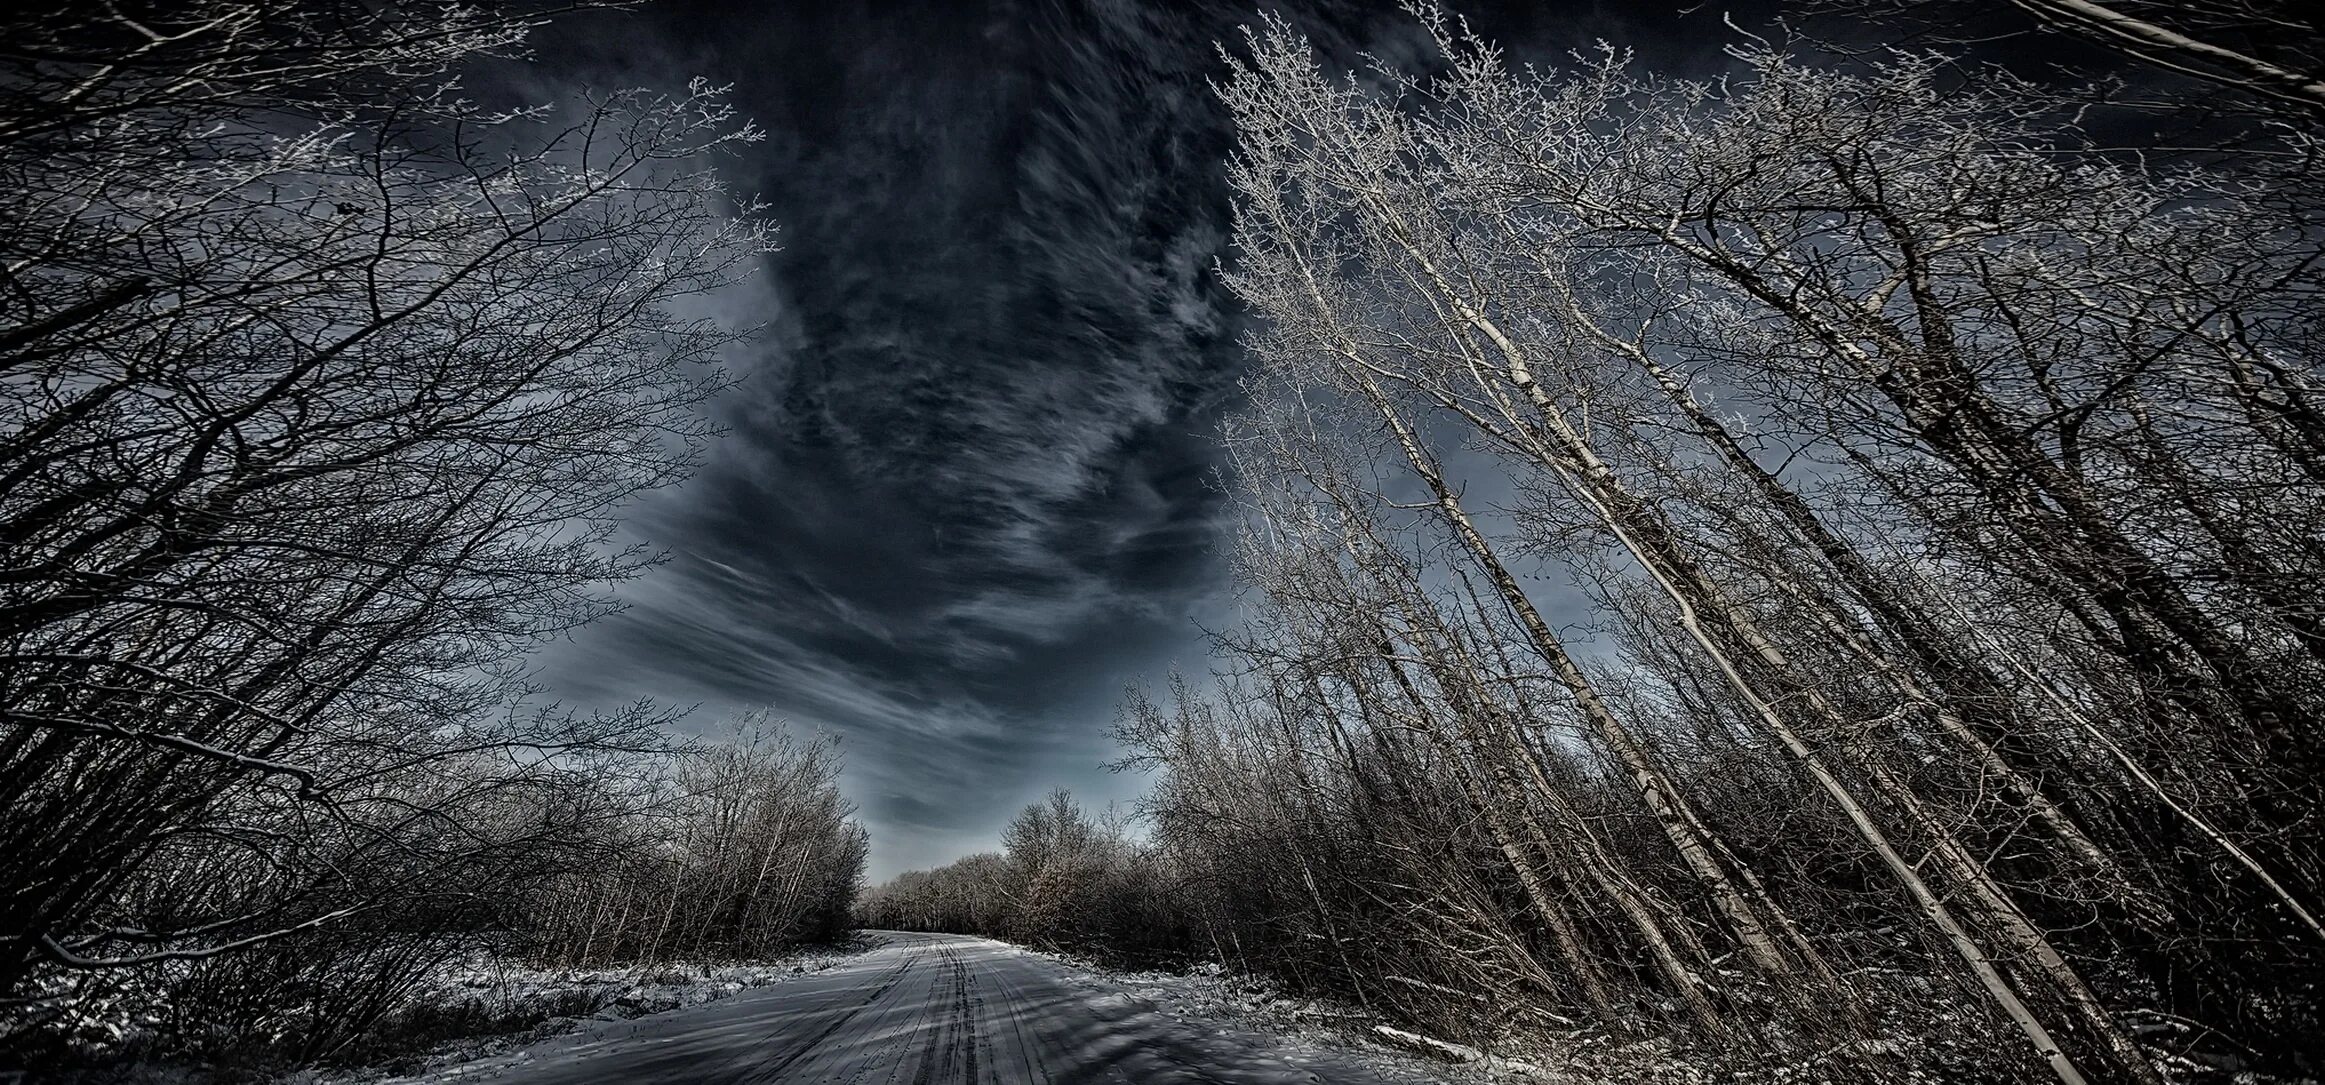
{"x":968,"y":491}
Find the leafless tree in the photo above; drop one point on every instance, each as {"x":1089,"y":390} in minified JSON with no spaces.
{"x":737,"y":847}
{"x":320,"y":390}
{"x":1780,"y":366}
{"x":2265,"y":53}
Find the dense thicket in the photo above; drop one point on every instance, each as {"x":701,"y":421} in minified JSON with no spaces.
{"x":1820,"y":561}
{"x":739,"y":847}
{"x":320,"y":388}
{"x":1061,"y":881}
{"x":1942,"y":491}
{"x":733,"y":848}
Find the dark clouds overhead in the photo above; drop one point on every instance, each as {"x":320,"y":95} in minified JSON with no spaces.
{"x":967,"y":491}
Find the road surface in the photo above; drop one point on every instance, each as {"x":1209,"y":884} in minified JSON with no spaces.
{"x":929,"y":1009}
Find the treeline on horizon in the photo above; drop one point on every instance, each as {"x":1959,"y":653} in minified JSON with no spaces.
{"x":1824,"y":566}
{"x":321,"y":391}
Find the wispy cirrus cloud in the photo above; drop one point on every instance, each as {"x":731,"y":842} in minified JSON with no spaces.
{"x":966,"y":491}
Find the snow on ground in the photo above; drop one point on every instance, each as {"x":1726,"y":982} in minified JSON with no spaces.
{"x":1583,"y":1057}
{"x":944,"y":1010}
{"x":569,"y":1000}
{"x":1589,"y":1056}
{"x":1210,"y":994}
{"x":956,"y":1010}
{"x":622,"y":992}
{"x":925,"y":1002}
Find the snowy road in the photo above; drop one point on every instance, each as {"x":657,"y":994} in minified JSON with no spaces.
{"x":930,"y":1010}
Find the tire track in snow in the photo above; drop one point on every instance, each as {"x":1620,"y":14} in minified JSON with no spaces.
{"x":1028,"y":1050}
{"x":936,"y":1027}
{"x":774,"y":1073}
{"x":978,"y":1044}
{"x":952,"y":1037}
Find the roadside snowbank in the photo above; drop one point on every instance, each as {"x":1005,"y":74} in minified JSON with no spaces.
{"x":1211,"y":994}
{"x":553,"y":1002}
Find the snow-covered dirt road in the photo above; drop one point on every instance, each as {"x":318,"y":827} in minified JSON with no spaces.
{"x":930,"y":1010}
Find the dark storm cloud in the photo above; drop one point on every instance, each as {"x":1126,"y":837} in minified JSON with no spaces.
{"x":967,"y":493}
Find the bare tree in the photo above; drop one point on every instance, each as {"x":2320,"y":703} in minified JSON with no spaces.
{"x":2265,"y":52}
{"x":320,"y":389}
{"x":1957,"y":341}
